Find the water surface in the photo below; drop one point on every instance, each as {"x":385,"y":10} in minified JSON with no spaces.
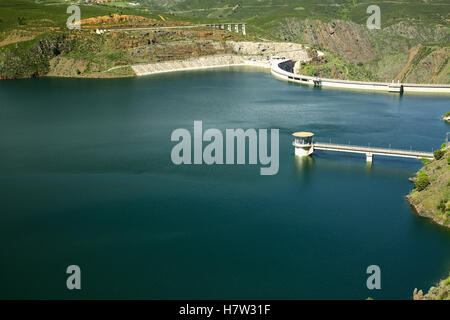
{"x":86,"y":179}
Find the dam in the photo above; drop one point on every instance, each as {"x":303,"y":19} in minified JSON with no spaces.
{"x":282,"y":69}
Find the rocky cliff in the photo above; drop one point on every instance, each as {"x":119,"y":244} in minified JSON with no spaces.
{"x":26,"y":59}
{"x":406,"y":51}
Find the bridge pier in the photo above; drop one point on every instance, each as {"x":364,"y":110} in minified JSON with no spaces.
{"x":395,"y":87}
{"x":369,"y":157}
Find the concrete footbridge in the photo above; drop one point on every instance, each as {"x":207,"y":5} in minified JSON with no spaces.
{"x":230,"y":26}
{"x":304,"y":146}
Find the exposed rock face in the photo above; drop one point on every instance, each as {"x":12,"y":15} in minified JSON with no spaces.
{"x":196,"y":63}
{"x":346,"y":39}
{"x":35,"y":61}
{"x":426,"y":64}
{"x":392,"y":53}
{"x":178,"y":50}
{"x":116,"y":18}
{"x":267,"y":49}
{"x":184,"y":49}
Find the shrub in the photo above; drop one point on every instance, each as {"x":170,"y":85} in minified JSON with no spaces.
{"x":448,"y":160}
{"x":442,"y":205}
{"x":422,"y":181}
{"x":425,"y":161}
{"x":447,"y":281}
{"x":438,"y":154}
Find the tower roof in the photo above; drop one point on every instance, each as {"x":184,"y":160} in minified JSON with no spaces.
{"x":303,"y":134}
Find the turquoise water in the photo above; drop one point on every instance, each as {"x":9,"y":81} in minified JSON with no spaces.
{"x":86,"y":178}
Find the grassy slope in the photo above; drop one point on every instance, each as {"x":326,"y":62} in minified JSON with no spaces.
{"x":355,"y":10}
{"x":30,"y":14}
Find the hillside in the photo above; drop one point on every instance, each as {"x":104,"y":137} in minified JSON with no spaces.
{"x":413,"y":44}
{"x":431,"y":195}
{"x":33,"y":47}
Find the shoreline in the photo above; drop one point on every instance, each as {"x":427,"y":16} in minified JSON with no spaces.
{"x":201,"y":63}
{"x":424,"y":214}
{"x":224,"y":61}
{"x":276,"y":67}
{"x":429,"y":197}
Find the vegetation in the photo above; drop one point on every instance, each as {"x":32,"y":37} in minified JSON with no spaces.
{"x":36,"y":42}
{"x":338,"y":68}
{"x":438,"y":154}
{"x":439,"y":292}
{"x":411,"y":47}
{"x":422,"y":181}
{"x":431,"y":194}
{"x":446,"y":116}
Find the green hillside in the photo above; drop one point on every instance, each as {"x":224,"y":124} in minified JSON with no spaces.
{"x":413,"y":44}
{"x":354,"y":10}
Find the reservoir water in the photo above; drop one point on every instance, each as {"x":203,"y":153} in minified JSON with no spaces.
{"x":86,"y":179}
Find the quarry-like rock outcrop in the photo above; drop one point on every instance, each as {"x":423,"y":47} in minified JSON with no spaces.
{"x":288,"y":50}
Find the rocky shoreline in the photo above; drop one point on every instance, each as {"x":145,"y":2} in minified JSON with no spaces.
{"x":439,"y":292}
{"x":430,"y":199}
{"x":199,"y":64}
{"x":430,"y":196}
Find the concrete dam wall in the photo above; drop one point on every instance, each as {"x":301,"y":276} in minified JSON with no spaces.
{"x":283,"y":70}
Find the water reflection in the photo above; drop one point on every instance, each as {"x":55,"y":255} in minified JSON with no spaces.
{"x":303,"y":166}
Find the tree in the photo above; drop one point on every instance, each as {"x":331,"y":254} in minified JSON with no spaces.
{"x":422,"y":181}
{"x":438,"y":154}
